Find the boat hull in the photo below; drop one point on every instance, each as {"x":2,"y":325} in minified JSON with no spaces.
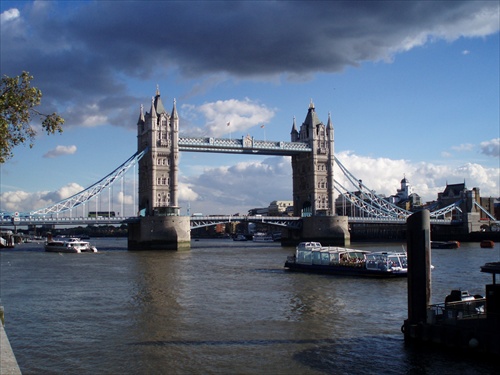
{"x":445,"y":244}
{"x":240,"y":237}
{"x":341,"y":270}
{"x":61,"y":249}
{"x":487,"y":244}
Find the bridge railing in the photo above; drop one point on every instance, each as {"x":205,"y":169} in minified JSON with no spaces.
{"x":41,"y":220}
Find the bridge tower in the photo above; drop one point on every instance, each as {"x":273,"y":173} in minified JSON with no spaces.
{"x":313,"y":186}
{"x":313,"y":182}
{"x":158,"y":131}
{"x":161,"y":226}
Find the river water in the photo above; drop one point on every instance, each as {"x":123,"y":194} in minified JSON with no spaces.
{"x":223,"y":307}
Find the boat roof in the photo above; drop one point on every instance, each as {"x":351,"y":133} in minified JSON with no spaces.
{"x":343,"y":249}
{"x":309,"y":244}
{"x":493,"y":267}
{"x":398,"y":253}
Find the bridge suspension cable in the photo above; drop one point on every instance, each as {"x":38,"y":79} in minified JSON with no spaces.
{"x":90,"y":192}
{"x":376,"y":206}
{"x":369,"y":202}
{"x":363,"y":205}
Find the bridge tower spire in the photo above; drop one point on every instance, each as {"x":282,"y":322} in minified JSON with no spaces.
{"x":174,"y":134}
{"x":294,"y":133}
{"x":330,"y":164}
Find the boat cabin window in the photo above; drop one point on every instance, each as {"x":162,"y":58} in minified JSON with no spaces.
{"x":356,"y":255}
{"x":316,"y":257}
{"x":325,"y":258}
{"x":377,"y":261}
{"x":304,"y":256}
{"x":398,"y":261}
{"x":334,"y":257}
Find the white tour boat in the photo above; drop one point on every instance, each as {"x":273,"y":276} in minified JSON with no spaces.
{"x":69,"y":245}
{"x":262,"y":237}
{"x":314,"y":258}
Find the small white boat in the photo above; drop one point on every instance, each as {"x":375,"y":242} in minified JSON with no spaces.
{"x":69,"y":245}
{"x":262,"y":237}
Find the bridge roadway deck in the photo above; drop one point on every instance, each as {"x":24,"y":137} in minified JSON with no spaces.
{"x":196,"y":221}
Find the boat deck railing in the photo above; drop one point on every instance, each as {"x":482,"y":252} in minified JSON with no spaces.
{"x":451,"y":312}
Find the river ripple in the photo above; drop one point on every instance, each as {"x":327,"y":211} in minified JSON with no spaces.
{"x":224,"y":307}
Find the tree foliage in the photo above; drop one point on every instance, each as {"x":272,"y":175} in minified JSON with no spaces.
{"x":18,"y":102}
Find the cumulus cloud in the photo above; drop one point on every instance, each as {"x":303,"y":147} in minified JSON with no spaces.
{"x":427,"y":179}
{"x":226,"y":116}
{"x":9,"y":15}
{"x":59,"y":151}
{"x":256,"y":183}
{"x":125,"y":198}
{"x":491,"y":147}
{"x":186,"y":192}
{"x":25,"y":201}
{"x":239,"y":187}
{"x":238,"y":40}
{"x":463,"y":147}
{"x":63,"y":193}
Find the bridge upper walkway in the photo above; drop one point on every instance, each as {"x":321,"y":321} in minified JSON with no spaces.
{"x":244,"y":145}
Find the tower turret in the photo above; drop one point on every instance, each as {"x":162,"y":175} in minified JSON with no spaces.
{"x":174,"y":162}
{"x":294,"y":134}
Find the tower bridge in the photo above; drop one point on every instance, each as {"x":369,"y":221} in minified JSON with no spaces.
{"x":160,"y":225}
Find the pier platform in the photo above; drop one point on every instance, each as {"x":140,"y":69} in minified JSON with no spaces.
{"x":462,"y":323}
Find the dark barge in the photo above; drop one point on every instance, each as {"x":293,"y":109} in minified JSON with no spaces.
{"x":470,"y":325}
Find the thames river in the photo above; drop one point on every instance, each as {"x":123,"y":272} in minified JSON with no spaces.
{"x":224,"y":307}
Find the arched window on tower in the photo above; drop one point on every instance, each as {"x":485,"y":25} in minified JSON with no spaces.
{"x":164,"y":128}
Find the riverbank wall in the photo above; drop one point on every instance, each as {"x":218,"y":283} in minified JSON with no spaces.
{"x":8,"y":362}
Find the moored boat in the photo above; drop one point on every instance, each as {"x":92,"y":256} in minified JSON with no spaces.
{"x":69,"y":245}
{"x":445,"y":244}
{"x":240,"y":237}
{"x":314,"y":258}
{"x":487,"y":244}
{"x":6,"y":239}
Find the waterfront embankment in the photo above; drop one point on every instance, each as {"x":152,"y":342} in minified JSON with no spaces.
{"x":8,"y":362}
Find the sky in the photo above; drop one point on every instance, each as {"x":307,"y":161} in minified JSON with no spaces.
{"x":412,"y":88}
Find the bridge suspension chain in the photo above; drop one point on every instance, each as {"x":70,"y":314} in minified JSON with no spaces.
{"x":380,"y":206}
{"x":90,"y":192}
{"x":384,"y":207}
{"x":365,"y":206}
